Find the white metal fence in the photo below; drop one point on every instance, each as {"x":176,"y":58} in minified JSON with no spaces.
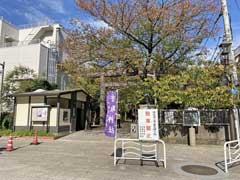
{"x":134,"y":149}
{"x":231,"y":153}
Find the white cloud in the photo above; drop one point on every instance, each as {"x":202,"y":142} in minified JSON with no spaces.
{"x":33,"y":15}
{"x":4,"y":10}
{"x":55,"y":5}
{"x":97,"y":23}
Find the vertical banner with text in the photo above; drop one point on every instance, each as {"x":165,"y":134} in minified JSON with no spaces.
{"x":112,"y":107}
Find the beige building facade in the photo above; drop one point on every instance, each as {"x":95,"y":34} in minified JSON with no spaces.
{"x":57,"y":112}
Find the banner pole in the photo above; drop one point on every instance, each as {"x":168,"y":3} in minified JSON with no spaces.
{"x":116,"y":116}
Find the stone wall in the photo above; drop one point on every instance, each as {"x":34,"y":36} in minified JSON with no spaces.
{"x":204,"y":134}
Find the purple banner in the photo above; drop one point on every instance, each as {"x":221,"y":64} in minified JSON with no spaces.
{"x":110,"y":123}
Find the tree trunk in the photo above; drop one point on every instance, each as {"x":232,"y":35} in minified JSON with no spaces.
{"x":102,"y":100}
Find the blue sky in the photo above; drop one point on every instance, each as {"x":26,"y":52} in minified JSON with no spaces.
{"x":32,"y":11}
{"x":21,"y":12}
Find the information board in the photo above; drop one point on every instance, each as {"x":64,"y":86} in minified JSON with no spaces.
{"x":148,"y":124}
{"x":191,"y":118}
{"x":39,"y":113}
{"x":169,"y":117}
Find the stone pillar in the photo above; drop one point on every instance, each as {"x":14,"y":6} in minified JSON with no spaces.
{"x":192,"y":136}
{"x":102,"y":100}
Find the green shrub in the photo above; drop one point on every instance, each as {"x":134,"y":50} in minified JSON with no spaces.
{"x":5,"y":132}
{"x":7,"y":121}
{"x":3,"y":115}
{"x":8,"y":132}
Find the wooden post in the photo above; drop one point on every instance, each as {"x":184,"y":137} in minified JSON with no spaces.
{"x":102,"y":100}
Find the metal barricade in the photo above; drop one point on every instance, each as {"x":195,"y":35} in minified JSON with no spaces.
{"x":135,"y":149}
{"x":231,"y":153}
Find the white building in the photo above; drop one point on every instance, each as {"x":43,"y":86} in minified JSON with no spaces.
{"x":237,"y":54}
{"x":35,"y":46}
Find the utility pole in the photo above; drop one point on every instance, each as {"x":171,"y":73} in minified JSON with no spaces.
{"x":230,"y":64}
{"x":1,"y":92}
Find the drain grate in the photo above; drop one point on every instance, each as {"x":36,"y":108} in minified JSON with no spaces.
{"x":199,"y":170}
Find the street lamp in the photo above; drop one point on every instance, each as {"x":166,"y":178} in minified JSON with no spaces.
{"x":1,"y":91}
{"x":224,"y":59}
{"x":224,"y":56}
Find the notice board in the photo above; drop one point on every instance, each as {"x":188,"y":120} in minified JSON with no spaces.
{"x":148,"y":124}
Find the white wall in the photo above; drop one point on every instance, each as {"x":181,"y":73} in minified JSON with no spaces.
{"x":23,"y":33}
{"x":9,"y":30}
{"x":43,"y":62}
{"x":22,"y":55}
{"x":0,"y":30}
{"x":53,"y":117}
{"x":21,"y":111}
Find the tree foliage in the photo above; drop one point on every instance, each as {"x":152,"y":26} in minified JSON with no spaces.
{"x":13,"y":78}
{"x":198,"y":87}
{"x":22,"y":79}
{"x":145,"y":38}
{"x":163,"y":33}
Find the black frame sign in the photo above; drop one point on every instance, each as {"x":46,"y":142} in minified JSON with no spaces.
{"x":191,"y":118}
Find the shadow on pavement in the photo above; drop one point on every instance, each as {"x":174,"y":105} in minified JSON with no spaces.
{"x":221,"y":165}
{"x":20,"y":147}
{"x":118,"y":152}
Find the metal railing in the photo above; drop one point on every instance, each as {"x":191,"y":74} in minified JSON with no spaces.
{"x":7,"y":22}
{"x":207,"y":117}
{"x":38,"y":24}
{"x":20,"y":43}
{"x":134,"y":149}
{"x":31,"y":25}
{"x":231,"y":153}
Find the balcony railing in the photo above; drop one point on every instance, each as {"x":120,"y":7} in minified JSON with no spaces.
{"x":32,"y":25}
{"x":8,"y":22}
{"x":38,"y":24}
{"x":19,"y":43}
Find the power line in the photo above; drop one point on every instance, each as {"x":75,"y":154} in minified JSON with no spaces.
{"x":237,"y":4}
{"x":214,"y":26}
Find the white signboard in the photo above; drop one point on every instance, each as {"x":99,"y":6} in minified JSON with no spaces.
{"x":148,"y":124}
{"x":39,"y":113}
{"x":169,"y":117}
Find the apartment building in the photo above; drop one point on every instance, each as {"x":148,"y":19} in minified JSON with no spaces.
{"x":35,"y":46}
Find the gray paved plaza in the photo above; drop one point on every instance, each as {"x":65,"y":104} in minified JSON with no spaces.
{"x":87,"y":155}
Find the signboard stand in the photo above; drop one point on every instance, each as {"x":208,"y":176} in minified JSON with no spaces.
{"x":40,"y":114}
{"x":147,"y":146}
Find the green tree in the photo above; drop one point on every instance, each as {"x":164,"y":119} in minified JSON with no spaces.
{"x":163,"y":33}
{"x":22,"y":79}
{"x":198,"y":87}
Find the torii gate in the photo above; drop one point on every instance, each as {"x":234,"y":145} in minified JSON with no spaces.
{"x":103,"y":85}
